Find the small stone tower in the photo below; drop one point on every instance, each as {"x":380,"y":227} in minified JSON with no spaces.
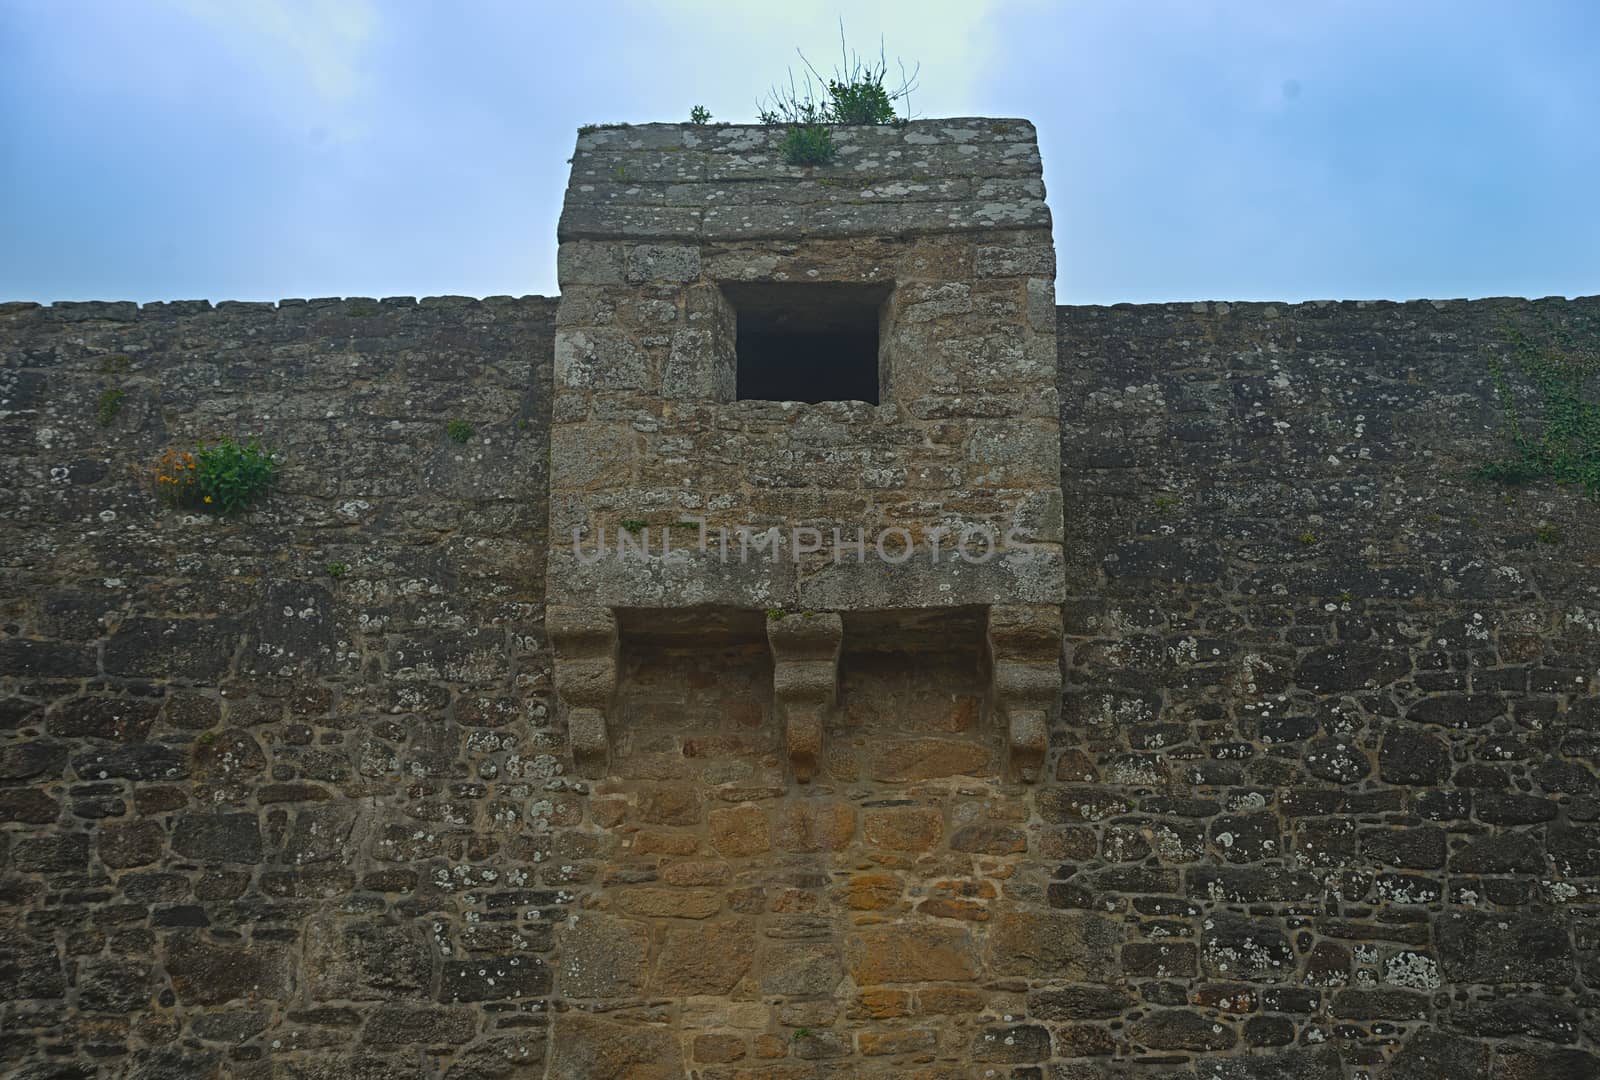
{"x":804,"y":414}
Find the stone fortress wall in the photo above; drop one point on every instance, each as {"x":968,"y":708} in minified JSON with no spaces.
{"x":1320,"y":800}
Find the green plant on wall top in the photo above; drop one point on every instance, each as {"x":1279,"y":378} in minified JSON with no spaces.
{"x":699,"y":115}
{"x":857,"y":93}
{"x":222,"y":478}
{"x":808,"y":144}
{"x":1559,"y":437}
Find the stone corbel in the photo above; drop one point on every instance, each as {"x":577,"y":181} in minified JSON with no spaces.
{"x":805,"y":682}
{"x":585,"y":644}
{"x":1026,"y":645}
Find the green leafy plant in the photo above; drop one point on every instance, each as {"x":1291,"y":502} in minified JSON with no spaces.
{"x":110,"y":404}
{"x":458,"y":430}
{"x":1547,"y":533}
{"x":336,"y":569}
{"x":774,"y":614}
{"x":856,"y":93}
{"x":699,"y":115}
{"x":808,"y":144}
{"x":1559,"y":437}
{"x":222,"y":478}
{"x":1307,"y":538}
{"x":634,"y":525}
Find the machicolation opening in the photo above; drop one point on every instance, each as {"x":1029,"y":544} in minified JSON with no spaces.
{"x":808,"y":342}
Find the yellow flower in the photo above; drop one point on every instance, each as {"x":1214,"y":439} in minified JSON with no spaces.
{"x":208,"y":498}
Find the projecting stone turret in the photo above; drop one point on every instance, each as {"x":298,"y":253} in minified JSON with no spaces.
{"x":811,"y":409}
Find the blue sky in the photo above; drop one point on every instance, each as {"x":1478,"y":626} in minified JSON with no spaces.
{"x":258,"y":149}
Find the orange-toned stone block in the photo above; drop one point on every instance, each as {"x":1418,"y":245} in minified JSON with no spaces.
{"x":872,"y":892}
{"x":738,"y":832}
{"x":910,"y":953}
{"x":903,"y":828}
{"x":718,"y":1049}
{"x":941,"y":907}
{"x":705,"y":958}
{"x":903,"y":1041}
{"x":880,"y":1003}
{"x":948,"y":1000}
{"x":771,"y":1046}
{"x":695,"y":872}
{"x":608,"y":812}
{"x":668,"y":903}
{"x":969,"y":888}
{"x":660,"y":843}
{"x":804,"y":826}
{"x":929,"y":759}
{"x":670,"y":804}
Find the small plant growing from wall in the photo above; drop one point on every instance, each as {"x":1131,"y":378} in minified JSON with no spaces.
{"x":1558,"y":436}
{"x":857,"y":93}
{"x":458,"y":430}
{"x":700,"y":115}
{"x":109,"y":405}
{"x":222,"y":478}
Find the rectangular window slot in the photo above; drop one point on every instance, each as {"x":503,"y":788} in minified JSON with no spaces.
{"x":808,"y":342}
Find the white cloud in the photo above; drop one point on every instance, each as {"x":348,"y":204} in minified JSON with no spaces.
{"x":953,"y":40}
{"x":319,"y":42}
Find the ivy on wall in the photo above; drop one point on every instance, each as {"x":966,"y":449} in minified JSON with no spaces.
{"x":1556,"y":436}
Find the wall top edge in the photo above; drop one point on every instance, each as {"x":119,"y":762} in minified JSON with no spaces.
{"x":1272,"y":308}
{"x":738,"y":138}
{"x":124,"y":310}
{"x":351,"y":306}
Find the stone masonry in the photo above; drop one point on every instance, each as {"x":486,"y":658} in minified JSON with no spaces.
{"x":942,"y":230}
{"x":1318,"y":795}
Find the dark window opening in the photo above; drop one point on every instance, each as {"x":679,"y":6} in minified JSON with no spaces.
{"x":809,"y":342}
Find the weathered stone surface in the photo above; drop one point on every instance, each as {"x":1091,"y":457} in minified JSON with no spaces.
{"x":214,"y":838}
{"x":809,"y":969}
{"x":1011,"y":1045}
{"x":1057,"y":945}
{"x":584,"y":1047}
{"x":1504,"y":947}
{"x":1322,"y":796}
{"x":398,"y":1025}
{"x":206,"y":970}
{"x":493,"y":979}
{"x":1538,"y":1063}
{"x":1431,"y":1055}
{"x":669,"y":903}
{"x":1320,"y":1064}
{"x":898,"y":954}
{"x":138,"y":844}
{"x":1182,"y":1029}
{"x":805,"y":826}
{"x":1236,"y":947}
{"x":365,"y":961}
{"x":602,"y":957}
{"x":903,"y":828}
{"x":1413,"y":757}
{"x":739,"y":832}
{"x":113,"y":986}
{"x":704,"y":959}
